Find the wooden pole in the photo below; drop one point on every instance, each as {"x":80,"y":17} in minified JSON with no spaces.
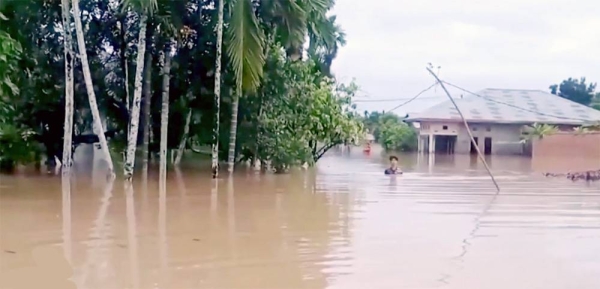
{"x":468,"y":129}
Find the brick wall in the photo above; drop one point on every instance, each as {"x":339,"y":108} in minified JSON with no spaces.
{"x":564,"y":152}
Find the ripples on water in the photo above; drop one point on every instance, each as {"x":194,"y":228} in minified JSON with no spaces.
{"x":342,"y":225}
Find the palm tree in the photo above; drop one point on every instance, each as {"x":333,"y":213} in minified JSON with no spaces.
{"x":246,"y":40}
{"x":98,"y":128}
{"x":164,"y":114}
{"x":245,"y":50}
{"x":325,"y":41}
{"x":145,"y":8}
{"x":147,"y":102}
{"x":68,"y":133}
{"x":215,"y":145}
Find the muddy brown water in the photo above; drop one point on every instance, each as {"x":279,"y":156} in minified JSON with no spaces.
{"x":342,"y":225}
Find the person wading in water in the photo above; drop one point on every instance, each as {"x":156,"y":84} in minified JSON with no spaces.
{"x":393,"y":169}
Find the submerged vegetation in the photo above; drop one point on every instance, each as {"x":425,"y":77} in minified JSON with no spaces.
{"x":183,"y":74}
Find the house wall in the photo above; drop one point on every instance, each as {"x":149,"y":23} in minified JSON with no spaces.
{"x":505,"y":137}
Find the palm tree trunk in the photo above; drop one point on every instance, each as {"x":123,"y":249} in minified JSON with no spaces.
{"x":184,"y":138}
{"x":266,"y":50}
{"x":147,"y":117}
{"x":215,"y":146}
{"x":98,"y":129}
{"x":257,"y":130}
{"x":124,"y":62}
{"x":188,"y":118}
{"x":233,"y":131}
{"x":134,"y":120}
{"x":68,"y":130}
{"x":164,"y":114}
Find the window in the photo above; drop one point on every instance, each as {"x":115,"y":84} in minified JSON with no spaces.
{"x":474,"y":128}
{"x":445,"y":127}
{"x":488,"y":128}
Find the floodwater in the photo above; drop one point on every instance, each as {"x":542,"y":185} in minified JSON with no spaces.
{"x":342,"y":225}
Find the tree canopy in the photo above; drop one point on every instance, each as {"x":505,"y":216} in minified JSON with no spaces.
{"x":576,"y":90}
{"x":291,"y":108}
{"x":390,"y":131}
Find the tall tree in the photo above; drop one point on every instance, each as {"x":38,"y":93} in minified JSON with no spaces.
{"x":98,"y":127}
{"x":144,"y":8}
{"x":147,"y":92}
{"x":245,"y":50}
{"x":325,"y":41}
{"x":290,"y":21}
{"x":217,"y":100}
{"x":575,"y":90}
{"x":69,"y":100}
{"x":164,"y":114}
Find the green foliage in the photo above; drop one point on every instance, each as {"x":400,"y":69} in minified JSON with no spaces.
{"x":540,"y":130}
{"x":390,"y":131}
{"x":244,"y":46}
{"x":575,"y":90}
{"x":396,"y":135}
{"x":10,"y":54}
{"x":289,"y":109}
{"x":306,"y":117}
{"x":16,"y":144}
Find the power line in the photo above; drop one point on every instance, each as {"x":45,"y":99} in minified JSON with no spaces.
{"x":394,"y":99}
{"x":413,"y":98}
{"x":514,"y":106}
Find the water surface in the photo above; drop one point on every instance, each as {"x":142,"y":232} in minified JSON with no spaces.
{"x":342,"y":225}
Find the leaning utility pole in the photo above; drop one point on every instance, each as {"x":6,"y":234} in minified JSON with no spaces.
{"x":468,"y":129}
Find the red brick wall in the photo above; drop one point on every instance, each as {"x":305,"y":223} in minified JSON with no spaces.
{"x":564,"y":152}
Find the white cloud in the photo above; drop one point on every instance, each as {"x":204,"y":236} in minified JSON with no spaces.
{"x":511,"y":44}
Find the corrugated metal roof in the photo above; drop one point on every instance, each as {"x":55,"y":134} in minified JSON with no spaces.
{"x":512,"y":106}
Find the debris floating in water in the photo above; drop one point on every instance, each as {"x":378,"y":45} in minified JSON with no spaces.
{"x":585,"y":175}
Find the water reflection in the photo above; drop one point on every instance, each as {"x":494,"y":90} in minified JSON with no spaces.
{"x":66,"y":217}
{"x":341,"y":225}
{"x":132,"y":242}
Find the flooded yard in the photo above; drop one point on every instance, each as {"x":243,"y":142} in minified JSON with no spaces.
{"x":342,"y":225}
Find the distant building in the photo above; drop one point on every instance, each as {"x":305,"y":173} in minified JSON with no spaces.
{"x":496,"y":118}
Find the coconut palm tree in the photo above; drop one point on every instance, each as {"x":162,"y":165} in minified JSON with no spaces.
{"x":98,"y":128}
{"x":215,"y":145}
{"x":164,"y":114}
{"x":325,"y":40}
{"x":289,"y":20}
{"x":245,"y":42}
{"x":68,"y":133}
{"x":145,"y":8}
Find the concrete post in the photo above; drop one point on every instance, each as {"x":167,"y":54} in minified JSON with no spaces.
{"x":431,"y":144}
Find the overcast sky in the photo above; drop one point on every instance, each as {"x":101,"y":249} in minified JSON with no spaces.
{"x":518,"y":44}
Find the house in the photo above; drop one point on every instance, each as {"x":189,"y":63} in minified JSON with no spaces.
{"x":496,"y":118}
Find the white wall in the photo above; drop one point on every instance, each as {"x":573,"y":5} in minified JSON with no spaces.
{"x":505,"y":137}
{"x":437,"y":128}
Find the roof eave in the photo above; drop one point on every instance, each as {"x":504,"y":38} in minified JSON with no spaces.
{"x":523,"y":122}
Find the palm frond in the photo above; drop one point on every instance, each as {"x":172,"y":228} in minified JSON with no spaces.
{"x":289,"y":18}
{"x":244,"y":45}
{"x":317,"y":7}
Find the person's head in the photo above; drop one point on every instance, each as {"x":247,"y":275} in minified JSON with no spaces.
{"x":394,"y":161}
